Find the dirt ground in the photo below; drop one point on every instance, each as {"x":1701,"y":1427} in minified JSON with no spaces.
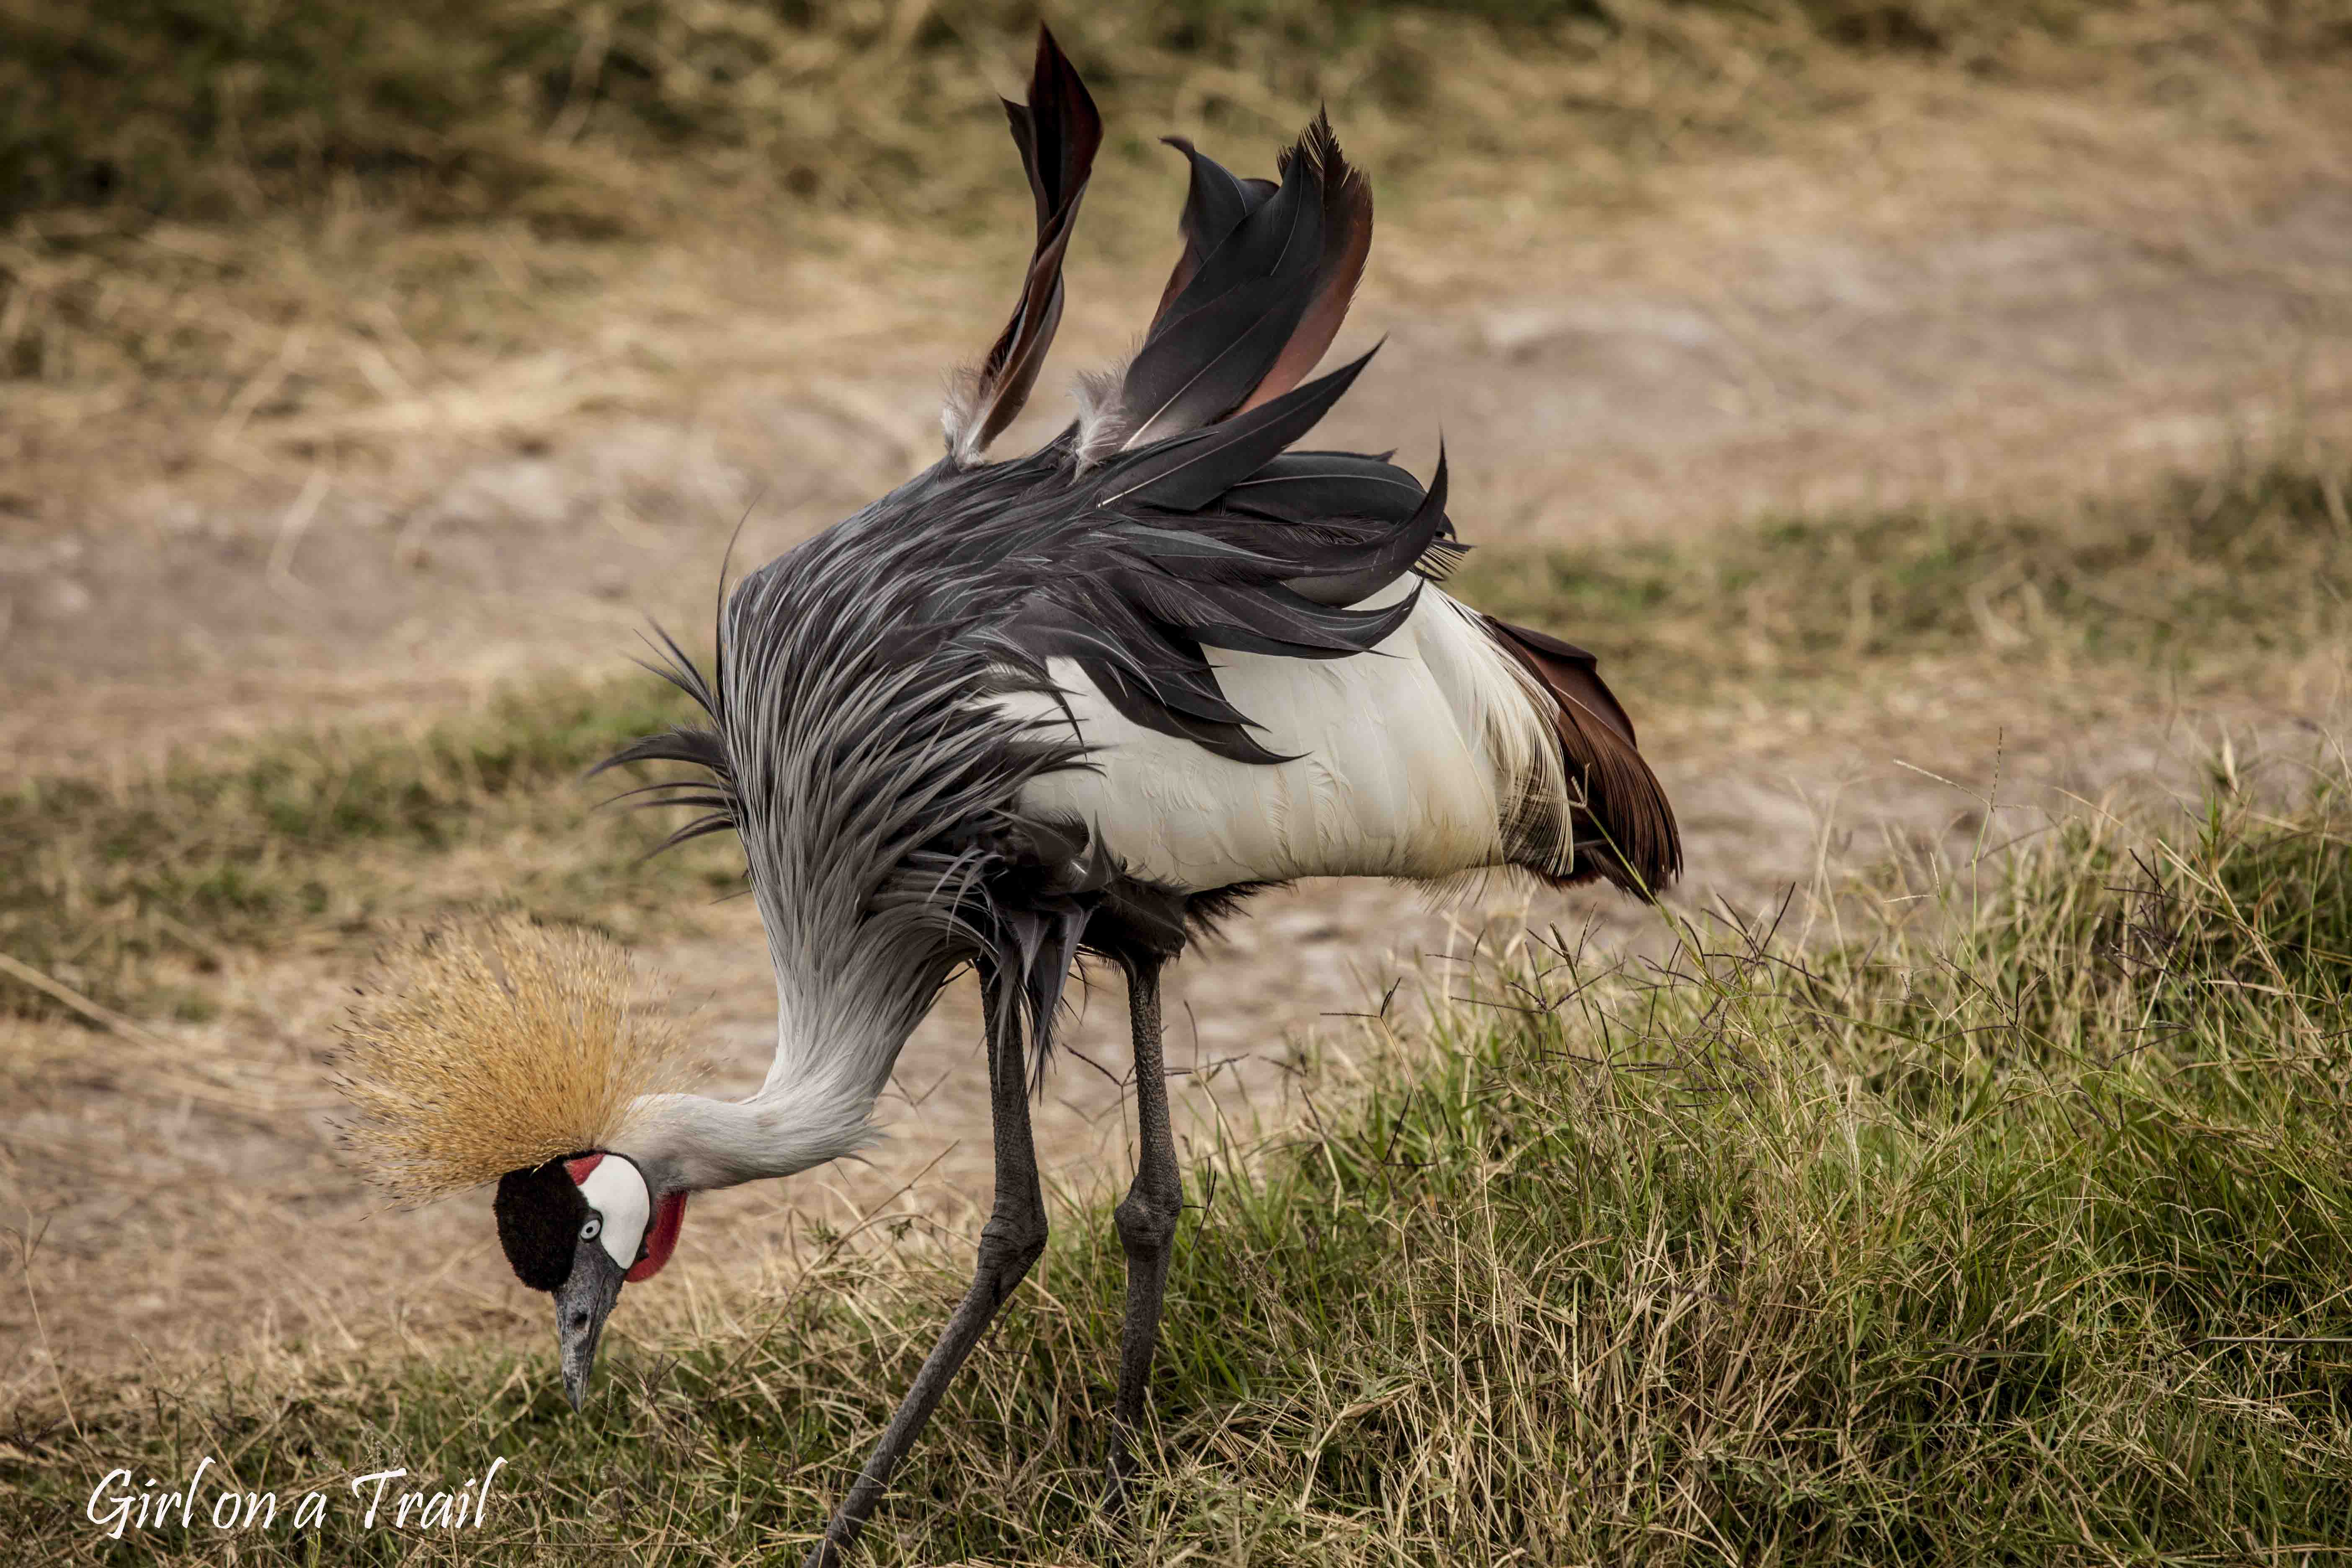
{"x":1767,"y":338}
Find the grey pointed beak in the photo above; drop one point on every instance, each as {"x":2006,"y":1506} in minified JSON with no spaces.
{"x":583,"y":1302}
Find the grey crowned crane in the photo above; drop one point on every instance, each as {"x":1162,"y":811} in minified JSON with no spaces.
{"x":1076,"y":703}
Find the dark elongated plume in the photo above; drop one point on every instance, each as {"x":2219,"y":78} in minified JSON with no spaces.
{"x":1184,"y":473}
{"x":1346,"y":244}
{"x":1214,"y":205}
{"x":1058,"y":133}
{"x":1254,"y":299}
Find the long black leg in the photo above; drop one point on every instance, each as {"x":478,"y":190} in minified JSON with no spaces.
{"x":1147,"y":1222}
{"x":1009,"y":1244}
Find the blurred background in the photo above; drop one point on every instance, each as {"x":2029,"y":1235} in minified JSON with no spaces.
{"x":433,"y":305}
{"x":1892,"y":391}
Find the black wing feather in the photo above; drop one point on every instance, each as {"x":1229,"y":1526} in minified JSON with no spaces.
{"x":1346,"y":235}
{"x":1300,"y":487}
{"x":1368,"y":571}
{"x":1189,"y":472}
{"x":1214,"y":204}
{"x":1220,"y":336}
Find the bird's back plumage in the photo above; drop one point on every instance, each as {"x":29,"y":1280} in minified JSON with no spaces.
{"x":1164,"y":652}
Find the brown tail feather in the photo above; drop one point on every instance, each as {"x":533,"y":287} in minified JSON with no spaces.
{"x":1625,"y":831}
{"x":1346,"y":243}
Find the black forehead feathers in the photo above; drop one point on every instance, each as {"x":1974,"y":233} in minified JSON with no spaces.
{"x":540,"y":1213}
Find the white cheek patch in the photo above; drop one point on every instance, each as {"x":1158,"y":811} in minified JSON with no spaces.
{"x":617,"y":1193}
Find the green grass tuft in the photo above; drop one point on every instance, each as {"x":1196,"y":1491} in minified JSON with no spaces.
{"x":2250,"y":560}
{"x":331,"y":832}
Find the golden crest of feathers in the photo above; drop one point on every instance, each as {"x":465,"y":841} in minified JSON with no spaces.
{"x":493,"y":1046}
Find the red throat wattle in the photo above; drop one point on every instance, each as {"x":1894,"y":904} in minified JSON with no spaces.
{"x":661,"y":1237}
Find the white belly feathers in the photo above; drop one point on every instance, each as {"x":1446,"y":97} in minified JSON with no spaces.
{"x":1407,"y":761}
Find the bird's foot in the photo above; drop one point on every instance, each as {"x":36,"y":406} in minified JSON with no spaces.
{"x":1119,"y":1470}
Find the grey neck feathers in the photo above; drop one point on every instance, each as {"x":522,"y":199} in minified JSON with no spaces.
{"x":837,"y":1044}
{"x":689,"y":1142}
{"x":859,"y":750}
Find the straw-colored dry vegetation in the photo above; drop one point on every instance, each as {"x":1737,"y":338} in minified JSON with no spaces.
{"x":2010,"y":1226}
{"x":243,"y":209}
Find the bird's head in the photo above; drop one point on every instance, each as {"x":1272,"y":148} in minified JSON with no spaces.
{"x":580,"y":1228}
{"x":533,"y":1057}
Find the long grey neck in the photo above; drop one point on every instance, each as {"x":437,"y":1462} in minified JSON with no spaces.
{"x":847,"y":997}
{"x":691,"y":1143}
{"x":816,"y":1105}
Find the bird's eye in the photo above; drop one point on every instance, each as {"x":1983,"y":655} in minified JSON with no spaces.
{"x":594,"y":1228}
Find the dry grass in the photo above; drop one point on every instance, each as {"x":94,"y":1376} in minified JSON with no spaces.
{"x":214,"y":214}
{"x":555,"y":112}
{"x":2011,"y":1228}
